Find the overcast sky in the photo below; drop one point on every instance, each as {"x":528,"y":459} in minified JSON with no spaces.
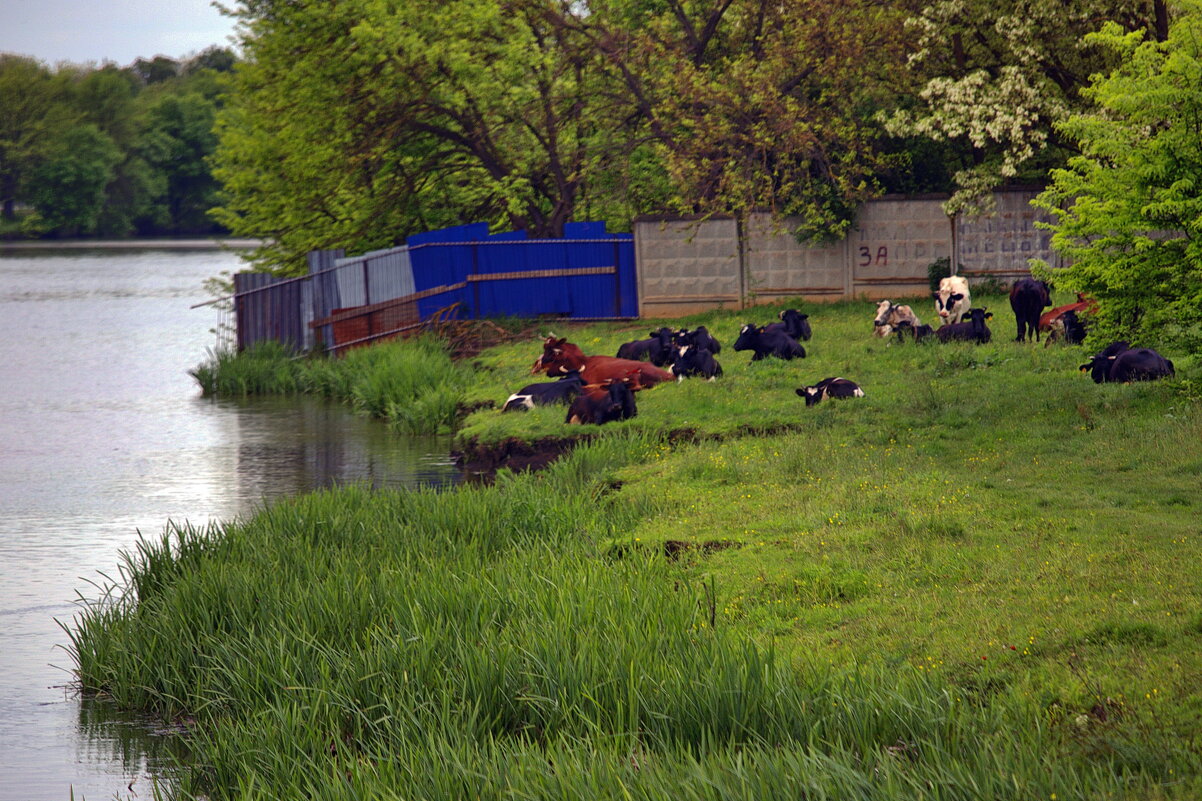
{"x":110,"y":30}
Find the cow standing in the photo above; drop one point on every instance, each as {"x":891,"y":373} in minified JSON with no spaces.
{"x":1028,"y":298}
{"x":952,"y":301}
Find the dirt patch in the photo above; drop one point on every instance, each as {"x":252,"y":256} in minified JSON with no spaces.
{"x":481,"y":462}
{"x":674,"y":549}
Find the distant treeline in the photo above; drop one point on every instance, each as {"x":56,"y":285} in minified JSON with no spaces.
{"x":110,"y":151}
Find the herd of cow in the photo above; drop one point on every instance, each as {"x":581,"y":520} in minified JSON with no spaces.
{"x":600,"y":389}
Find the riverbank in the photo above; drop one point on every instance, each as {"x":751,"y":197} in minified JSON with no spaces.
{"x":978,"y":581}
{"x":189,"y":243}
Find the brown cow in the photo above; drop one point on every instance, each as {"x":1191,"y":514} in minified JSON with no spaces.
{"x":561,"y":357}
{"x":1083,"y":304}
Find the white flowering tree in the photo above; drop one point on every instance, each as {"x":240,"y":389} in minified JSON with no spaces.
{"x":1000,"y":74}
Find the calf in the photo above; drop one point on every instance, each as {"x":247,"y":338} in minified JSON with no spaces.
{"x":890,"y":316}
{"x":1083,"y":304}
{"x":772,"y":343}
{"x":600,"y":404}
{"x":794,"y":323}
{"x":690,"y":360}
{"x":921,"y":333}
{"x":657,"y":349}
{"x":952,"y":301}
{"x":1119,"y":363}
{"x":971,"y":330}
{"x":546,"y":393}
{"x":830,"y":388}
{"x":1028,"y":298}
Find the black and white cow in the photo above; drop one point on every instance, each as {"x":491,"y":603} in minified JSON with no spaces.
{"x":830,"y":388}
{"x":1028,"y":298}
{"x":699,"y":337}
{"x":657,"y":349}
{"x":794,"y":323}
{"x":971,"y":330}
{"x":952,"y":300}
{"x":601,"y":404}
{"x":1120,"y":363}
{"x":773,"y":343}
{"x":690,"y":360}
{"x":546,"y":393}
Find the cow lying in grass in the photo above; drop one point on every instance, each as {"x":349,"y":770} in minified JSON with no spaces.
{"x":600,"y":404}
{"x":546,"y":393}
{"x":1122,"y":364}
{"x":793,"y":323}
{"x":560,"y":357}
{"x":657,"y":349}
{"x":971,"y":330}
{"x":830,"y":388}
{"x":890,"y":316}
{"x":689,"y":360}
{"x":770,"y":343}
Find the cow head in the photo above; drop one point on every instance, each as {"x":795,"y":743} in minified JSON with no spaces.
{"x":811,"y":394}
{"x":748,"y":337}
{"x":1099,"y":365}
{"x":560,"y":357}
{"x":882,"y":314}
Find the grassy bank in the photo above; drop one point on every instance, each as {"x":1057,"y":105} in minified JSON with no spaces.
{"x":979,"y":581}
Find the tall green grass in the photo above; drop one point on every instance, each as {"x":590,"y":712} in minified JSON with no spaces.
{"x":413,"y":384}
{"x":486,"y":642}
{"x":975,"y":583}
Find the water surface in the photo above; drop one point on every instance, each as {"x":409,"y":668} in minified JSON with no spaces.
{"x":104,"y":435}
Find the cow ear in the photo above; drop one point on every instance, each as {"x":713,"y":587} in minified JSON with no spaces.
{"x":988,"y":315}
{"x":935,"y":295}
{"x":801,"y":391}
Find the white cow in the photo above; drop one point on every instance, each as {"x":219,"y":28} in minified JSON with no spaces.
{"x":952,"y":301}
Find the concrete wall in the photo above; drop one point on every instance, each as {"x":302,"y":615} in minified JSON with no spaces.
{"x":692,"y":265}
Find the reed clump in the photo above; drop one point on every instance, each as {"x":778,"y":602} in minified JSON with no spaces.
{"x":414,"y":385}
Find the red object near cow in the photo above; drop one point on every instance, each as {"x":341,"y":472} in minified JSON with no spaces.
{"x":561,"y":357}
{"x":1083,"y":303}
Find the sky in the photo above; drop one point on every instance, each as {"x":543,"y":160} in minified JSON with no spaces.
{"x":110,"y":30}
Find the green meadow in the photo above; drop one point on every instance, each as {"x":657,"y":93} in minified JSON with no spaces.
{"x":980,"y":581}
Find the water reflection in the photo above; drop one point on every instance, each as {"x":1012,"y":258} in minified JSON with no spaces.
{"x":104,"y":438}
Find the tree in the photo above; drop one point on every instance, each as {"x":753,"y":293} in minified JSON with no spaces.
{"x":177,"y":138}
{"x":67,"y":189}
{"x":357,"y":123}
{"x":752,"y":103}
{"x":1129,"y":208}
{"x":998,"y":76}
{"x":32,"y":108}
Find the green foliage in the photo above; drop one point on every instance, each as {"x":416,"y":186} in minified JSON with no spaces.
{"x":67,"y":189}
{"x":1128,"y":207}
{"x":144,"y":133}
{"x":938,"y":270}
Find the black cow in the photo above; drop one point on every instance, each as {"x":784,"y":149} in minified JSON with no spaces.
{"x":603,"y":404}
{"x":920,"y":333}
{"x":545,"y":393}
{"x":699,"y":337}
{"x":1028,"y":298}
{"x":830,"y":388}
{"x":690,"y":360}
{"x":971,"y":330}
{"x":770,"y":343}
{"x":1120,"y":363}
{"x":657,"y":349}
{"x":795,"y":324}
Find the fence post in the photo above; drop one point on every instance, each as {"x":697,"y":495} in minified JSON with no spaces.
{"x":325,"y":292}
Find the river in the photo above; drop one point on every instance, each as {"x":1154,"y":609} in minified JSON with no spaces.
{"x":104,"y":435}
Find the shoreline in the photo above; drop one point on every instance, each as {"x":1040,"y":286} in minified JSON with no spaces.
{"x":195,"y":243}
